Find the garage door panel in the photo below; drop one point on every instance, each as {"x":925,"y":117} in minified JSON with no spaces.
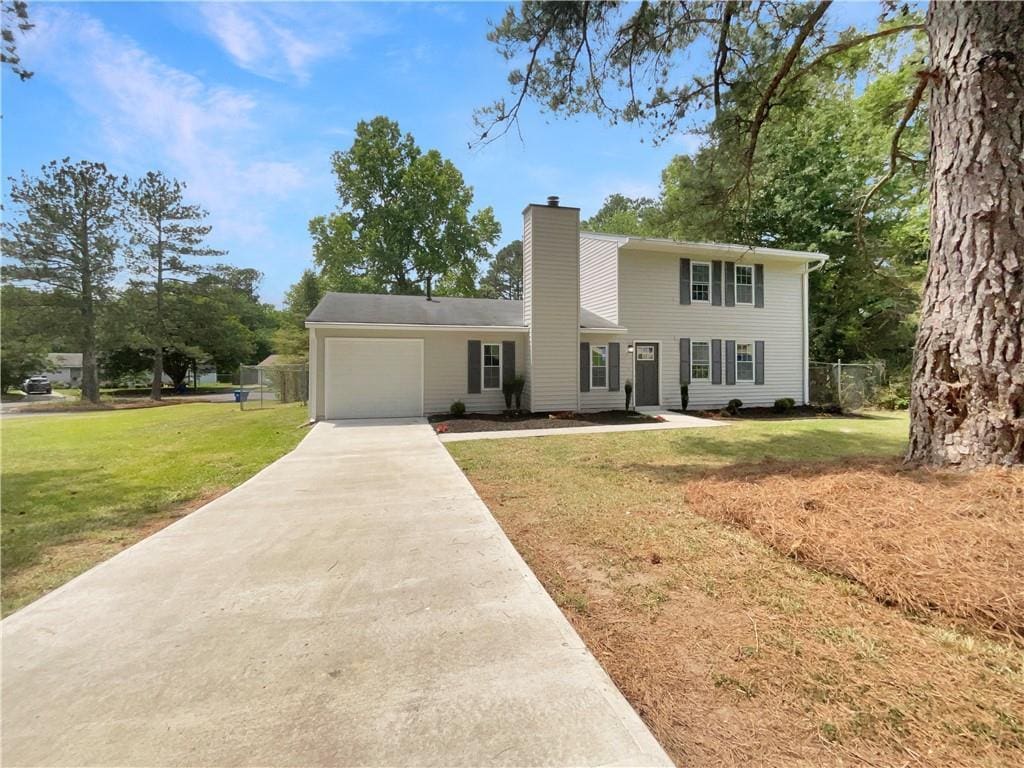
{"x":373,"y":378}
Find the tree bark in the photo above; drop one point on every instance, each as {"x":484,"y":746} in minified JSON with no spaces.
{"x":967,"y":394}
{"x":158,"y":342}
{"x":90,"y":373}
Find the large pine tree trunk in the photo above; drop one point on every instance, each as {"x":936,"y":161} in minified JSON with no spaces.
{"x":967,"y":395}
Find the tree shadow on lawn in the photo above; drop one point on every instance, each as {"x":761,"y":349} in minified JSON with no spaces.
{"x":746,"y":448}
{"x":41,"y":508}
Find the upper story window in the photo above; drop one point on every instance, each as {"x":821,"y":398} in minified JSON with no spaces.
{"x":744,"y":362}
{"x":492,"y":366}
{"x":744,"y":284}
{"x":700,"y":361}
{"x":599,"y":366}
{"x":700,"y":281}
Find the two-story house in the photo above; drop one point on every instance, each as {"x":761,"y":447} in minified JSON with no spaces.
{"x":598,"y":310}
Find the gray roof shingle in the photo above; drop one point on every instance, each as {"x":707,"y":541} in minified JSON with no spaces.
{"x":387,"y":309}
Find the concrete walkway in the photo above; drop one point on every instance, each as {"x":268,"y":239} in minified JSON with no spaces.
{"x":355,"y":603}
{"x":672,"y":420}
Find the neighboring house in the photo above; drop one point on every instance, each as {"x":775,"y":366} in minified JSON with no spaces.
{"x":598,"y":310}
{"x":65,"y":368}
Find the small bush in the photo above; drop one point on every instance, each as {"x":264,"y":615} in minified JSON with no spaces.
{"x":684,"y":396}
{"x":457,"y":409}
{"x":518,"y":384}
{"x":894,"y":397}
{"x":508,"y":389}
{"x":733,"y":406}
{"x":628,"y":389}
{"x":784,"y":405}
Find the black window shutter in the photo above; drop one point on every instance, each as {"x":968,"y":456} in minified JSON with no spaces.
{"x":473,"y":358}
{"x":716,"y":283}
{"x":730,"y":284}
{"x":684,"y":281}
{"x":584,"y":366}
{"x":684,"y":361}
{"x":759,"y":362}
{"x":730,"y":361}
{"x":508,"y":361}
{"x":759,"y":285}
{"x":613,"y":366}
{"x":716,"y":361}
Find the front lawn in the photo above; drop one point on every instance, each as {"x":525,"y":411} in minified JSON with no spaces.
{"x":781,"y":592}
{"x":78,"y":488}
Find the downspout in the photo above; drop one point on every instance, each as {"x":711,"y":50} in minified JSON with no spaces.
{"x":807,"y":330}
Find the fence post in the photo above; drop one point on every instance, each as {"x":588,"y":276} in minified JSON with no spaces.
{"x":839,"y":382}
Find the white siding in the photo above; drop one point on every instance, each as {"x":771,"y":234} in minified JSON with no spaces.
{"x":551,"y":271}
{"x":599,"y":277}
{"x":650,"y":309}
{"x":445,"y":365}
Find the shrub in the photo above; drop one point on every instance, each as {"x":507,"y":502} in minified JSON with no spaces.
{"x":894,"y":397}
{"x":508,"y":389}
{"x":684,"y":396}
{"x":733,"y":406}
{"x":628,"y":389}
{"x":457,"y":409}
{"x":518,"y":384}
{"x":784,"y":405}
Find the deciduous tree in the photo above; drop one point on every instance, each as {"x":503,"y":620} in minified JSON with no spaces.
{"x":404,"y":222}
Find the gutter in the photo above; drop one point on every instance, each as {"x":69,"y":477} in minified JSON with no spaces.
{"x":805,"y":290}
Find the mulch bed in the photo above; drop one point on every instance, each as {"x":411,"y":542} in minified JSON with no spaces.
{"x":491,"y":422}
{"x":767,"y":412}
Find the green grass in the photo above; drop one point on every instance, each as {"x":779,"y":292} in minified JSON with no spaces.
{"x":878,"y":434}
{"x":79,"y":487}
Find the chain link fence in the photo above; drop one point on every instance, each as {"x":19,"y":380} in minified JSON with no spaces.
{"x":268,"y":386}
{"x":849,"y":385}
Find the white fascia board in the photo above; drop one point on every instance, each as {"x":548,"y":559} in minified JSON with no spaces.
{"x":683,"y":248}
{"x":419,"y":327}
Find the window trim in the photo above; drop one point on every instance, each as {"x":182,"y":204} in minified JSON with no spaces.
{"x":736,"y":284}
{"x":710,"y":362}
{"x":592,"y":366}
{"x":483,"y":366}
{"x":753,"y":362}
{"x":693,"y":283}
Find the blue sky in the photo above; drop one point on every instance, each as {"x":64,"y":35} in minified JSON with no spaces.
{"x":246,"y":102}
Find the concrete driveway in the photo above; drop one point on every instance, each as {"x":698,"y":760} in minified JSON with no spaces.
{"x":355,"y":603}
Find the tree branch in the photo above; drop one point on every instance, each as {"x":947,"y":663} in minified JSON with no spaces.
{"x":722,"y":53}
{"x":894,"y":151}
{"x":852,"y":43}
{"x":761,"y":114}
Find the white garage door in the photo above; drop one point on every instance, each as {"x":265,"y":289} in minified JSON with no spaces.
{"x":373,"y":378}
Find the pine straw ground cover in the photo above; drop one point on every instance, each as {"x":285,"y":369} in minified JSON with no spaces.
{"x":768,"y":594}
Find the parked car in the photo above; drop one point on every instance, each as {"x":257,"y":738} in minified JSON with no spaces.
{"x":37,"y":385}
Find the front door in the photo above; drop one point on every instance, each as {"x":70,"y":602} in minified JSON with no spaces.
{"x":645,"y":360}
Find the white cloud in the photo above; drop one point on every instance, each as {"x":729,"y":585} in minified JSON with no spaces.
{"x":151,"y":115}
{"x":282,"y":41}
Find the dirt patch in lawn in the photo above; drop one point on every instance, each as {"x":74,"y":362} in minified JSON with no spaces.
{"x":489,"y":422}
{"x":62,"y":562}
{"x":737,"y":654}
{"x":924,"y":540}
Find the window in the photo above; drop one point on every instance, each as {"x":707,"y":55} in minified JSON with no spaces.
{"x":700,"y":281}
{"x":644,"y":352}
{"x":744,"y":362}
{"x":700,"y":361}
{"x":492,"y":366}
{"x":744,"y":284}
{"x":599,"y":366}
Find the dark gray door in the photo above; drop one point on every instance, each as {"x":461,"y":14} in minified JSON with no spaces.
{"x":645,"y":358}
